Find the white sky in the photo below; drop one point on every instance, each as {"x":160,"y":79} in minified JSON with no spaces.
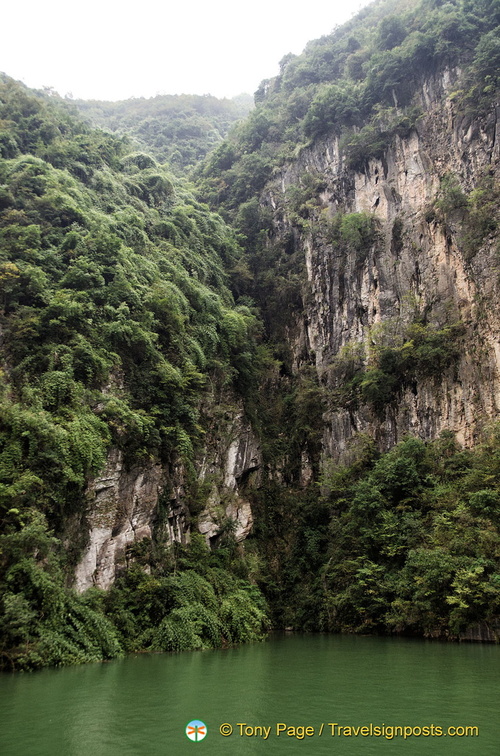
{"x":110,"y":49}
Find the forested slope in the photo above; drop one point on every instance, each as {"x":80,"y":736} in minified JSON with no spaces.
{"x":116,"y":315}
{"x":358,"y":82}
{"x":178,"y":129}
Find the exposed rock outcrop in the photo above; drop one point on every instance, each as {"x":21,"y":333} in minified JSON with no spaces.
{"x":124,"y":502}
{"x":122,"y":505}
{"x":482,"y":632}
{"x":228,"y":464}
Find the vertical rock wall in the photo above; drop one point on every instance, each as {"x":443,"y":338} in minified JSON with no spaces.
{"x":355,"y":300}
{"x":124,"y":502}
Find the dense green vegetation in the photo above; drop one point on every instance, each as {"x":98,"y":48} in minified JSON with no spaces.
{"x":117,"y":319}
{"x":368,"y":551}
{"x":115,"y":279}
{"x":422,"y":352}
{"x":189,"y":599}
{"x":476,"y":215}
{"x":178,"y":129}
{"x":406,"y":542}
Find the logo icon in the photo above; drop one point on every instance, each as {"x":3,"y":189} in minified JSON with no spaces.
{"x":196,"y":730}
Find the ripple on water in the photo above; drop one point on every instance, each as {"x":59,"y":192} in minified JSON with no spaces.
{"x":139,"y":706}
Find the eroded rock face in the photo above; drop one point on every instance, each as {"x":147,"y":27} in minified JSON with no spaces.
{"x":482,"y":632}
{"x":229,"y":463}
{"x":122,"y":507}
{"x":211,"y":520}
{"x":423,"y":271}
{"x":123,"y":503}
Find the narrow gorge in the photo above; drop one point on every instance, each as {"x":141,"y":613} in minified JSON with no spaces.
{"x":258,"y":388}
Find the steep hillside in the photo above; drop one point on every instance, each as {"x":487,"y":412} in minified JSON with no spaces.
{"x":371,"y":217}
{"x":122,"y":351}
{"x":360,"y":82}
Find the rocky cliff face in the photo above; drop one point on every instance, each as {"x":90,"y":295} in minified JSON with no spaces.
{"x":230,"y":463}
{"x":124,"y":502}
{"x":419,"y":266}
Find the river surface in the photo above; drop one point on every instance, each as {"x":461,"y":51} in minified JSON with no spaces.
{"x":140,"y":706}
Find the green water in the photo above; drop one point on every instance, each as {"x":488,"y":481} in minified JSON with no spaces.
{"x":140,"y":706}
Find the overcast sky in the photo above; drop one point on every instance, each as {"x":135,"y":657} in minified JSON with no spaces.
{"x":105,"y":49}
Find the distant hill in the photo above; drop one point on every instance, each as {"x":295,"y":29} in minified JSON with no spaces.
{"x":178,"y":129}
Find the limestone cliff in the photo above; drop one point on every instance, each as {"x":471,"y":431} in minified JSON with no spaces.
{"x":126,"y":503}
{"x":418,"y":266}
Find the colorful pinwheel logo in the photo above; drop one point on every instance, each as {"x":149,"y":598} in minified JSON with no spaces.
{"x":196,"y":730}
